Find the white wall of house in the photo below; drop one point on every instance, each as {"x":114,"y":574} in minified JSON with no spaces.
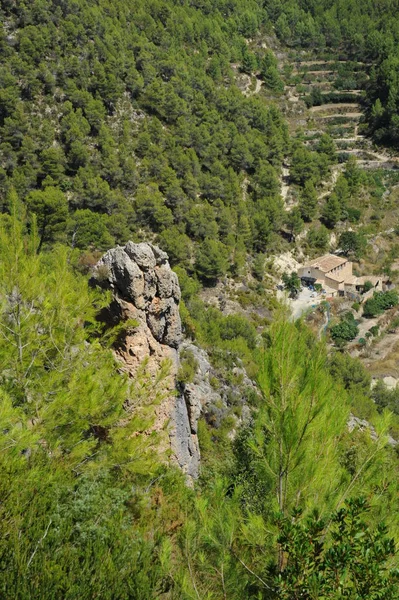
{"x":332,"y":283}
{"x":342,"y":271}
{"x":310,"y":273}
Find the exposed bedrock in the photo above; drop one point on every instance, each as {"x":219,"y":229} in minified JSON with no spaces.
{"x":146,"y":291}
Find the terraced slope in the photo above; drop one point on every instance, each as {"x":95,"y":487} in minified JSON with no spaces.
{"x":326,"y":96}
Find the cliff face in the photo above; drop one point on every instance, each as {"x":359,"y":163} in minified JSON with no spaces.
{"x":146,"y":290}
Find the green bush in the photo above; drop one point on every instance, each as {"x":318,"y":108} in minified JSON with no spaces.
{"x":346,"y":330}
{"x":188,"y":367}
{"x":379,"y":302}
{"x":235,"y":326}
{"x":367,"y":286}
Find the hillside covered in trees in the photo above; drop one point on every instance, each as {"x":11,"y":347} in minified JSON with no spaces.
{"x":362,"y":31}
{"x":128,"y":120}
{"x":293,"y":506}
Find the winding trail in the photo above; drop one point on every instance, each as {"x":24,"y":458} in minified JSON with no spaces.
{"x":335,"y":105}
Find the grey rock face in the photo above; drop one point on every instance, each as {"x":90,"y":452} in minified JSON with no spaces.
{"x":199,"y":394}
{"x":140,"y":274}
{"x":124,"y":275}
{"x":363,"y":425}
{"x":184,"y":444}
{"x":142,"y":254}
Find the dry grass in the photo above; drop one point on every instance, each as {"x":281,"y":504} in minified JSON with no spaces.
{"x":389,"y":365}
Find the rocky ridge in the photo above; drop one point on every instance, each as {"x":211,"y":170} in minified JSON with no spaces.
{"x":146,"y":293}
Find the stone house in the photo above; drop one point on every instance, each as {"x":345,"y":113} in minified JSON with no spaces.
{"x":334,"y":274}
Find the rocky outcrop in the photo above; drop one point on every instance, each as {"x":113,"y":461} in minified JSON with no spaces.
{"x":146,"y":293}
{"x":354,"y":423}
{"x":199,"y":394}
{"x":145,"y":297}
{"x":230,"y":399}
{"x":140,"y":275}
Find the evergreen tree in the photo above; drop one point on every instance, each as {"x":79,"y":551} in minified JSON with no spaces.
{"x":297,"y":409}
{"x":351,"y":242}
{"x":326,"y":146}
{"x":51,"y":210}
{"x":292,"y":283}
{"x":332,"y":211}
{"x":318,"y":237}
{"x":211,"y":260}
{"x":294,"y":223}
{"x":308,"y":202}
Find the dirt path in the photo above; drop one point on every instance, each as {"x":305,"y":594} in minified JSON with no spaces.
{"x":377,"y":155}
{"x":257,"y":86}
{"x":389,"y":165}
{"x":247,"y":91}
{"x":309,"y":72}
{"x":327,"y":62}
{"x":356,"y":138}
{"x":337,"y":105}
{"x":335,"y":171}
{"x":348,"y":115}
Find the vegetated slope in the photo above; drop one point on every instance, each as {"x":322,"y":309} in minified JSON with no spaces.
{"x":364,"y":31}
{"x":98,"y":148}
{"x":125,"y":116}
{"x":87,"y":510}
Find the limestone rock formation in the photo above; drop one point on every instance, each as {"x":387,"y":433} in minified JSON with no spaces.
{"x":140,"y":275}
{"x":199,"y":394}
{"x":363,"y":425}
{"x":146,"y":291}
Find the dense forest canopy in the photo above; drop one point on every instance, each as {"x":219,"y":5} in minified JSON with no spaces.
{"x":363,"y":31}
{"x":121,"y":120}
{"x":126,"y":118}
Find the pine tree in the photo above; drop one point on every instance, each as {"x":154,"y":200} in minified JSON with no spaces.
{"x":211,"y":260}
{"x":308,"y":202}
{"x":332,"y":211}
{"x":294,"y":223}
{"x":50,"y":207}
{"x":300,"y":418}
{"x":70,"y":447}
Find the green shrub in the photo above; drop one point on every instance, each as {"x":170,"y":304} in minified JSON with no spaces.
{"x":367,"y":286}
{"x":188,"y":367}
{"x":379,"y":302}
{"x":346,"y":330}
